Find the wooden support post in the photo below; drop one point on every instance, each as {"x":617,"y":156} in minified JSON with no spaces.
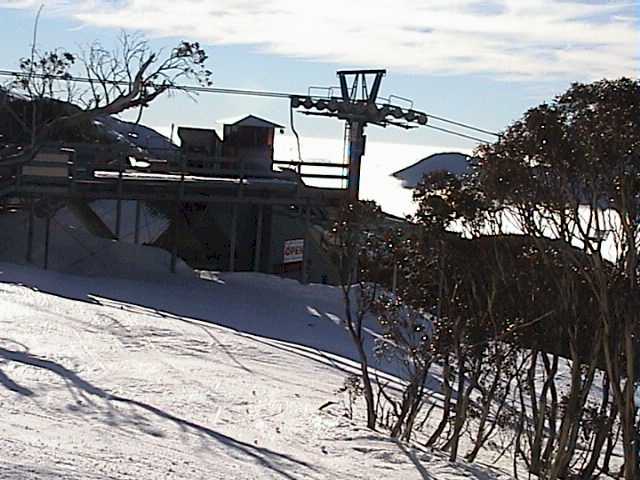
{"x":234,"y":223}
{"x":30,"y":231}
{"x":119,"y":200}
{"x":118,"y":217}
{"x":234,"y":235}
{"x":136,"y":234}
{"x":176,"y":214}
{"x":174,"y":239}
{"x":256,"y":261}
{"x":47,"y":235}
{"x":72,"y":167}
{"x":306,"y":248}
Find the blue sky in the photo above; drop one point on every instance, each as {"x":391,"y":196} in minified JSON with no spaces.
{"x":483,"y":63}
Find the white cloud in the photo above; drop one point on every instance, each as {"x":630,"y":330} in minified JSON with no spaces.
{"x":537,"y":39}
{"x":380,"y":161}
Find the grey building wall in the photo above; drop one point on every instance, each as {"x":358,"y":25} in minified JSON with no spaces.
{"x":287,"y":224}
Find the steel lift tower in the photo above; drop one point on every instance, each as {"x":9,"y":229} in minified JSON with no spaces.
{"x":358,"y":104}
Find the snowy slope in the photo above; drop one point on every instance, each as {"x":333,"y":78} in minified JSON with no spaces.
{"x":184,"y":378}
{"x":455,"y":163}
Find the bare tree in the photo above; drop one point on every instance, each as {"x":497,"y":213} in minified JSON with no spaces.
{"x":47,"y":95}
{"x":569,"y":171}
{"x":348,"y":242}
{"x":406,"y":343}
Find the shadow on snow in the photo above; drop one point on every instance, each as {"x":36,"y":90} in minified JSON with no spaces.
{"x":79,"y":387}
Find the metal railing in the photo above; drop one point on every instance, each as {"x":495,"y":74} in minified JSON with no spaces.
{"x":300,"y":166}
{"x":85,"y":159}
{"x":117,"y":174}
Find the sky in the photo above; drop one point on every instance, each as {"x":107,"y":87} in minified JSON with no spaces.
{"x":480,"y":62}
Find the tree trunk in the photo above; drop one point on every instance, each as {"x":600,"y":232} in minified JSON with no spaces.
{"x":367,"y":386}
{"x":446,"y":408}
{"x":603,"y":432}
{"x":629,"y":434}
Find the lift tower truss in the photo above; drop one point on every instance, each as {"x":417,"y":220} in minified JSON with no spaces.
{"x":358,"y":104}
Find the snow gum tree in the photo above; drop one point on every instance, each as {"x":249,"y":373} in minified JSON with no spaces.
{"x":495,"y":329}
{"x":347,"y":243}
{"x":372,"y":255}
{"x":534,"y":260}
{"x":570,"y":171}
{"x":406,"y":341}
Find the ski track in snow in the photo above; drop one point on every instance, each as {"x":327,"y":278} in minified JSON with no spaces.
{"x":221,"y":379}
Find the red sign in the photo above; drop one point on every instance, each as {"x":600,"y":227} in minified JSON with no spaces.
{"x":293,"y":251}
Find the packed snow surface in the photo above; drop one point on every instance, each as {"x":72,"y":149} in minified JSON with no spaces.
{"x":216,"y":378}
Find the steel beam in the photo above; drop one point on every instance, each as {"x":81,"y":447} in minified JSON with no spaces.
{"x":97,"y":191}
{"x":356,"y":152}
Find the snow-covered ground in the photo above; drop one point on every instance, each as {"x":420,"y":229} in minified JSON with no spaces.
{"x":216,"y":378}
{"x":454,"y":163}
